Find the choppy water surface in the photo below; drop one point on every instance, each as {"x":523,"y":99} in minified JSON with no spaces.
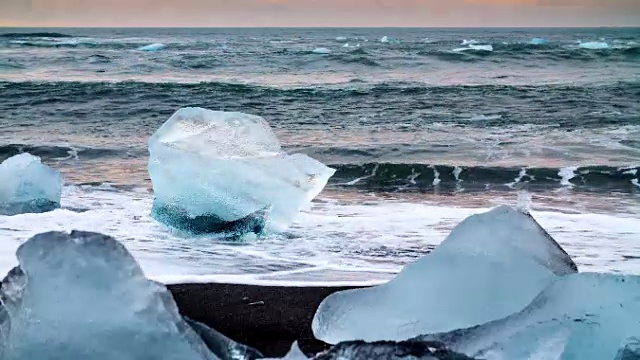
{"x":424,"y":130}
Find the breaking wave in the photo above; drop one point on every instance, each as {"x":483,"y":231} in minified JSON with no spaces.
{"x":393,"y":177}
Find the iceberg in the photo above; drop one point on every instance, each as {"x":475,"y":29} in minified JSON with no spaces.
{"x":490,"y":266}
{"x":223,"y":172}
{"x":580,"y":316}
{"x":384,"y":39}
{"x":321,"y":50}
{"x":152,"y":47}
{"x":28,"y":186}
{"x":594,"y":45}
{"x":83,"y":296}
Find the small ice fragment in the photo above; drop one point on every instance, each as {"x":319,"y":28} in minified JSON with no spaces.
{"x":152,"y":47}
{"x":345,"y":45}
{"x":594,"y":45}
{"x":384,"y":39}
{"x":28,"y":186}
{"x":341,"y":38}
{"x":321,"y":50}
{"x":524,"y":202}
{"x":538,"y":41}
{"x":294,"y":354}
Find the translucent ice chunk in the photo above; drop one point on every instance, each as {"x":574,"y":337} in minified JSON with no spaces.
{"x":581,"y":316}
{"x":28,"y":186}
{"x":490,"y":266}
{"x":594,"y":45}
{"x":214,"y":170}
{"x":83,"y":296}
{"x":538,"y":41}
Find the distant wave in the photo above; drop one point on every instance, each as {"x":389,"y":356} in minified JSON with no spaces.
{"x":35,"y":35}
{"x":527,"y":51}
{"x":423,"y":177}
{"x":351,"y":59}
{"x":57,"y":152}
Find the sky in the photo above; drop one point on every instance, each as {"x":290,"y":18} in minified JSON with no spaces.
{"x":339,"y":13}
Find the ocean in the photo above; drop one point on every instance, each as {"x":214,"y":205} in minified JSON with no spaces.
{"x":424,"y":127}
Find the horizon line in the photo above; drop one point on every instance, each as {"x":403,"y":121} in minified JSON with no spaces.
{"x":323,"y":27}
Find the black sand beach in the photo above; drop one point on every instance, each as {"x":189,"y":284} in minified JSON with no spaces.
{"x":268,"y":318}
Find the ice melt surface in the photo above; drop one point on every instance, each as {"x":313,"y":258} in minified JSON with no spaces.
{"x":28,"y":186}
{"x":580,"y":316}
{"x":83,"y":296}
{"x":490,"y":266}
{"x":230,"y":165}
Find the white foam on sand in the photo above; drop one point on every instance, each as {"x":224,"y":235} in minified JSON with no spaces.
{"x":335,"y":242}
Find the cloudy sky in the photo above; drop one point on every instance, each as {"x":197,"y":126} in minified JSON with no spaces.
{"x":221,"y":13}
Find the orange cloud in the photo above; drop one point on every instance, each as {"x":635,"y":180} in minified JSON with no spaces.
{"x":320,"y":12}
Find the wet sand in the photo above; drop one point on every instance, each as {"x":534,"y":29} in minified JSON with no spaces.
{"x":268,"y":318}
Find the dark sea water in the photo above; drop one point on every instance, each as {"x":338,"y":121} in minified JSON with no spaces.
{"x":424,"y":127}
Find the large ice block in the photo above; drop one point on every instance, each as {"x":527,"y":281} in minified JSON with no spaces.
{"x":582,"y":316}
{"x":28,"y":186}
{"x":490,"y":266}
{"x":212,"y":168}
{"x":83,"y":296}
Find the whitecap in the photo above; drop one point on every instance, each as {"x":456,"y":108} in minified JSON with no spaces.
{"x":482,"y":47}
{"x":469,"y":42}
{"x":567,"y":174}
{"x":321,"y":50}
{"x":341,"y":38}
{"x":487,"y":48}
{"x":152,"y":47}
{"x":485,"y":117}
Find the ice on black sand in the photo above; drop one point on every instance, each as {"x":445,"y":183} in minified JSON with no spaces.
{"x":490,"y":266}
{"x":83,"y":296}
